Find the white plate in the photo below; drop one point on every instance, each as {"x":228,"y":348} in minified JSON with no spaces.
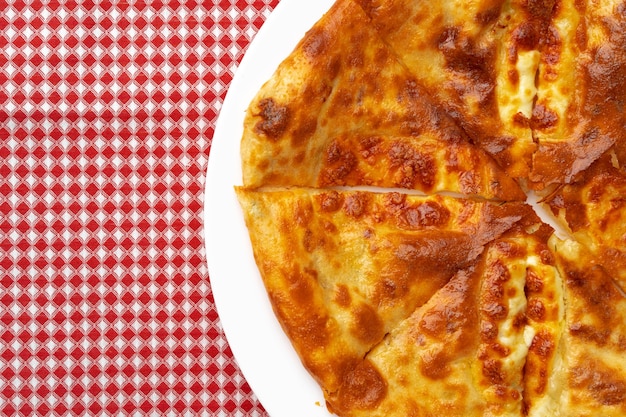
{"x":259,"y":345}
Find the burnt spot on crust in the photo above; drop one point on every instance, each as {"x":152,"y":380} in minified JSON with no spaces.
{"x":597,"y":319}
{"x":395,"y":202}
{"x":393,"y":286}
{"x":473,"y":62}
{"x":576,"y":215}
{"x":330,"y":201}
{"x":590,"y":333}
{"x":492,"y":370}
{"x":469,"y":182}
{"x":581,"y":36}
{"x":601,"y":90}
{"x":600,"y":381}
{"x":356,"y":205}
{"x":427,"y":214}
{"x":449,"y":321}
{"x":315,"y":43}
{"x":519,"y":321}
{"x":513,"y":76}
{"x":541,"y":9}
{"x":490,"y":15}
{"x":495,"y":310}
{"x":532,"y":33}
{"x":438,"y":253}
{"x":308,"y":241}
{"x":412,"y":167}
{"x":500,"y":219}
{"x":493,"y":305}
{"x":368,"y":326}
{"x":534,"y":283}
{"x":552,"y":50}
{"x":510,"y":249}
{"x":303,"y":131}
{"x":606,"y":74}
{"x":546,"y":255}
{"x":363,"y":388}
{"x":412,"y":90}
{"x":317,"y":47}
{"x":301,"y":286}
{"x":370,"y":147}
{"x":335,"y":153}
{"x":488,"y":331}
{"x":595,"y":287}
{"x":342,"y":296}
{"x":542,"y":347}
{"x":338,"y":165}
{"x":310,"y":329}
{"x":303,"y":213}
{"x":526,"y":36}
{"x":536,"y":310}
{"x":543,"y":117}
{"x":435,"y":364}
{"x":499,"y":144}
{"x":329,"y":227}
{"x":519,"y":119}
{"x":274,"y":119}
{"x":312,"y":241}
{"x":440,"y":323}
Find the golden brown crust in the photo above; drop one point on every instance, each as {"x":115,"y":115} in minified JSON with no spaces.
{"x":343,"y":110}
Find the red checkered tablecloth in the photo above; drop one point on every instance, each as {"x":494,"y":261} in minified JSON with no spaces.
{"x":107,"y":112}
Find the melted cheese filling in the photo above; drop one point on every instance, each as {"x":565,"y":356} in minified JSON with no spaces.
{"x":508,"y":334}
{"x":550,"y":403}
{"x":527,"y":67}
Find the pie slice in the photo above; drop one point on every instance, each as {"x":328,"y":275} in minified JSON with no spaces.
{"x":343,"y":110}
{"x":545,"y":314}
{"x":579,"y":113}
{"x":585,"y":369}
{"x":593,"y":208}
{"x":478,"y":60}
{"x":463,"y":352}
{"x":343,"y":268}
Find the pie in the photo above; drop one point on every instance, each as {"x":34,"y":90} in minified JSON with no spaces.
{"x":387,"y":167}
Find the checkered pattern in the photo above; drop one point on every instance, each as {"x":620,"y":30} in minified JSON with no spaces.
{"x":106,"y":116}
